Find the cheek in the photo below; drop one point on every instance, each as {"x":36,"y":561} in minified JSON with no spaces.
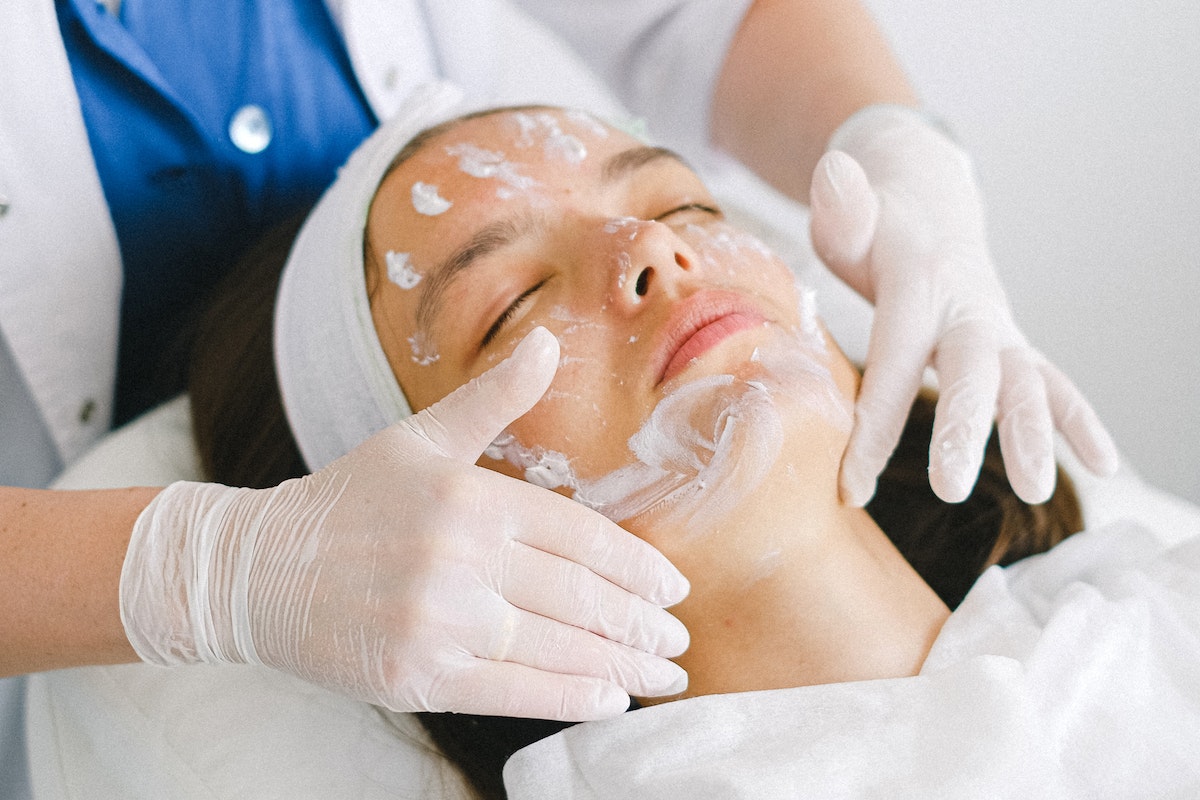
{"x":590,"y":411}
{"x":423,"y":385}
{"x":737,"y":259}
{"x":723,"y":247}
{"x":845,"y":374}
{"x":557,"y":445}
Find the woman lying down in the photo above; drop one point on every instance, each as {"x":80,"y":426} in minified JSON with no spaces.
{"x":699,"y":401}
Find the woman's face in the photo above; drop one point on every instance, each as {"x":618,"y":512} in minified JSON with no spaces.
{"x":680,"y":335}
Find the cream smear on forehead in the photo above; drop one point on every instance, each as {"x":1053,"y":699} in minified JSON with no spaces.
{"x":480,"y":163}
{"x":400,"y":270}
{"x":532,"y":129}
{"x":427,"y":201}
{"x":708,"y":443}
{"x":542,"y":127}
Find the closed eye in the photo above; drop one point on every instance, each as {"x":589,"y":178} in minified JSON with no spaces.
{"x":702,"y":207}
{"x":507,"y":315}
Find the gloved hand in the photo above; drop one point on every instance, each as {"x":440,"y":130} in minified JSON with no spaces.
{"x":404,"y":575}
{"x":896,"y":214}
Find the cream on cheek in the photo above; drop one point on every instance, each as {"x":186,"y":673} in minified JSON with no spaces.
{"x":706,"y":445}
{"x":571,"y":416}
{"x":727,"y":251}
{"x":709,"y":442}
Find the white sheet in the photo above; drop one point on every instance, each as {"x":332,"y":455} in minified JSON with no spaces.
{"x":152,"y":733}
{"x":1075,"y":674}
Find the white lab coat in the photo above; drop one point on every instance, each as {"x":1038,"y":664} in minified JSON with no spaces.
{"x":60,"y":273}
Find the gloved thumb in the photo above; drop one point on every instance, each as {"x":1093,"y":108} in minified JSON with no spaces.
{"x":467,"y":420}
{"x":844,"y":214}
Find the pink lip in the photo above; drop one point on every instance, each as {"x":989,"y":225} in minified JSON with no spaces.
{"x":698,"y":324}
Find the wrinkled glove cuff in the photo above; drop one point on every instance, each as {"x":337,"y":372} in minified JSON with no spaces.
{"x":173,"y":603}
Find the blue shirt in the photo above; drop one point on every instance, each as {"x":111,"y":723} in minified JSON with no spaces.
{"x":210,"y":121}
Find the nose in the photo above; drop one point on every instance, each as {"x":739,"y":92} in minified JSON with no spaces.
{"x":643,"y":257}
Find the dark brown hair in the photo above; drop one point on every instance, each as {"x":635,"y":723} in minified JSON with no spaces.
{"x":244,"y":440}
{"x":238,"y":421}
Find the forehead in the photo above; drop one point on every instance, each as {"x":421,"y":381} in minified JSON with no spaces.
{"x":519,"y":151}
{"x":534,"y":133}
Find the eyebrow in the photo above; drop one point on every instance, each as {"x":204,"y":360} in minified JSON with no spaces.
{"x":483,"y":242}
{"x":620,"y":165}
{"x":497,"y":235}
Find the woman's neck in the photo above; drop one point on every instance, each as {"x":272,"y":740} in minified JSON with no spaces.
{"x":788,"y":590}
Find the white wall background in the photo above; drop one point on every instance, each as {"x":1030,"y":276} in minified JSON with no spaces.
{"x":1084,"y":122}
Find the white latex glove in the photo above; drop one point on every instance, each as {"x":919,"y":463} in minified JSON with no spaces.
{"x":897,"y":215}
{"x":404,"y":575}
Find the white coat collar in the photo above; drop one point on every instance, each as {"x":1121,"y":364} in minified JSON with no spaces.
{"x":398,"y":45}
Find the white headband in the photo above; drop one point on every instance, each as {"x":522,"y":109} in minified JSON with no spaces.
{"x":337,"y":386}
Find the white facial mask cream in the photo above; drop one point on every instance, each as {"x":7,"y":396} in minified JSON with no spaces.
{"x":423,"y":351}
{"x":708,"y":443}
{"x":427,"y":201}
{"x":628,"y":227}
{"x":480,"y":163}
{"x":556,"y":143}
{"x":400,"y":270}
{"x":704,"y":446}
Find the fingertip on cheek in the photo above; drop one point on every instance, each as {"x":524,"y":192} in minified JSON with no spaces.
{"x":539,"y":344}
{"x":673,"y":587}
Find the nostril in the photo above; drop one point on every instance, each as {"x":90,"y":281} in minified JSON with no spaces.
{"x":643,"y":282}
{"x":682,"y":261}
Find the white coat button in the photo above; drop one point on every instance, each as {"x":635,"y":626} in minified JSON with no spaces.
{"x":4,"y":204}
{"x":250,"y":129}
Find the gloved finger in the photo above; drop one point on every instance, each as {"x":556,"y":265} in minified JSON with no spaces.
{"x":844,"y":214}
{"x":567,"y":529}
{"x":564,"y":591}
{"x":1026,"y":432}
{"x":549,"y":646}
{"x":896,"y":357}
{"x":1079,"y":424}
{"x":503,"y":689}
{"x":462,"y":424}
{"x":968,"y":370}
